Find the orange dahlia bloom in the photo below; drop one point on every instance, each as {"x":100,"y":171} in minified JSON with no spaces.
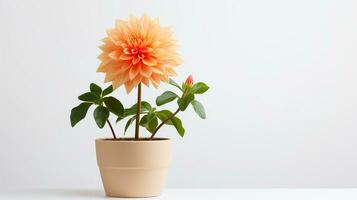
{"x":137,"y":51}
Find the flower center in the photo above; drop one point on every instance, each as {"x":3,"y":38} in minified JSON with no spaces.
{"x":137,"y":52}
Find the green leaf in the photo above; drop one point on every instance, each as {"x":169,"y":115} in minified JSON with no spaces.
{"x":120,"y":118}
{"x":183,"y":102}
{"x":89,"y":96}
{"x":94,"y":88}
{"x":79,"y":112}
{"x":130,"y":111}
{"x":107,"y":90}
{"x":163,"y":115}
{"x":99,"y":101}
{"x":101,"y":115}
{"x":144,"y":120}
{"x":199,"y":109}
{"x":149,"y":121}
{"x":151,"y":127}
{"x":145,"y":107}
{"x":114,"y":105}
{"x":199,"y":88}
{"x":128,"y":123}
{"x":175,"y":121}
{"x":166,"y":97}
{"x":172,"y":82}
{"x":178,"y":125}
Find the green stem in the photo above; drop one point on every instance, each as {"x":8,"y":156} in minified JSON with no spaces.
{"x":138,"y":111}
{"x":163,"y":122}
{"x":111,"y":128}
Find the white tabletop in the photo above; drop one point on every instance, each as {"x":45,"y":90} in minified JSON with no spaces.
{"x":194,"y":194}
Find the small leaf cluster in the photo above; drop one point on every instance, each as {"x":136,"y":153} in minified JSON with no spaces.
{"x":151,"y":117}
{"x":104,"y":105}
{"x":186,"y":98}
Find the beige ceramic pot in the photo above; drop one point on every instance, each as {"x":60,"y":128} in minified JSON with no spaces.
{"x":133,"y":168}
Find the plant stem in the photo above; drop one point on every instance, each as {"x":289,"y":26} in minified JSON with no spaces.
{"x":138,"y":111}
{"x":111,"y":128}
{"x":163,"y":122}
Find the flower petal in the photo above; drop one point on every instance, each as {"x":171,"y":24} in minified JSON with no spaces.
{"x":133,"y":23}
{"x":158,"y":69}
{"x":124,"y":66}
{"x":125,"y":57}
{"x":134,"y":71}
{"x":120,"y":24}
{"x":118,"y":82}
{"x":171,"y":72}
{"x":103,"y":66}
{"x":155,"y":83}
{"x":149,"y":61}
{"x":155,"y":79}
{"x":110,"y":77}
{"x":145,"y":81}
{"x":115,"y":55}
{"x":129,"y":85}
{"x":145,"y":71}
{"x":113,"y":35}
{"x":127,"y":51}
{"x":135,"y":60}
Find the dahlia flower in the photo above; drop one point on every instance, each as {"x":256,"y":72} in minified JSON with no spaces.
{"x":136,"y":51}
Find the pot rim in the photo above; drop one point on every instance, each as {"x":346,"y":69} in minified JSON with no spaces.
{"x":125,"y":140}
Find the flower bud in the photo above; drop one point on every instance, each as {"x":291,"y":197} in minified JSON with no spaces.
{"x":189,"y":81}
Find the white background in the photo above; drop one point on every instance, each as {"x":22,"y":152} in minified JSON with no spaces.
{"x":281,"y":108}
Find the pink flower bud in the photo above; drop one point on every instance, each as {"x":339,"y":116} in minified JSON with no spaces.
{"x":189,"y":81}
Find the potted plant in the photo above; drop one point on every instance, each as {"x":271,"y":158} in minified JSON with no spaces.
{"x":137,"y":51}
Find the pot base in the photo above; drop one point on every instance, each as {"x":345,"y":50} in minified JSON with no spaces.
{"x":133,"y":182}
